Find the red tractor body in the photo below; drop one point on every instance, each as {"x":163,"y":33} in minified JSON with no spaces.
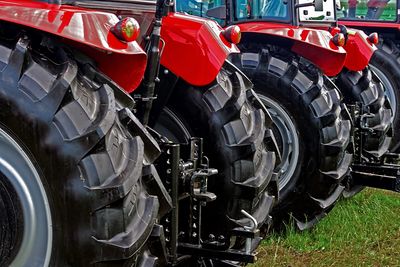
{"x":194,"y":48}
{"x":313,"y":44}
{"x":184,"y":37}
{"x":125,"y":63}
{"x":379,"y":16}
{"x":359,"y":50}
{"x":370,"y":26}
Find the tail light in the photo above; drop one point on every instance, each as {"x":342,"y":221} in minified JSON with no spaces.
{"x":232,"y":34}
{"x":339,"y":39}
{"x":126,"y":30}
{"x":373,"y":38}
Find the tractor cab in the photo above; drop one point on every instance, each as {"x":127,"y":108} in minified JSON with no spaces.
{"x":301,"y":12}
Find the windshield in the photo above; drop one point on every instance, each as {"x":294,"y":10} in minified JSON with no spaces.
{"x":243,"y":9}
{"x":382,"y":10}
{"x":261,"y":9}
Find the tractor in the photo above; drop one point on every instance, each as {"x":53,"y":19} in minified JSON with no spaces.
{"x":381,"y":17}
{"x":293,"y":51}
{"x":113,"y":154}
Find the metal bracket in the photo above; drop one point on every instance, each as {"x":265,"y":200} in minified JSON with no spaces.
{"x":229,"y":254}
{"x":383,"y":173}
{"x":251,"y":228}
{"x":364,"y":122}
{"x":186,"y":182}
{"x":377,"y":176}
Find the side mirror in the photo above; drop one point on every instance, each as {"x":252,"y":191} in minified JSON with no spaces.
{"x":319,"y":5}
{"x":218,"y":12}
{"x":316,"y":10}
{"x":338,"y":5}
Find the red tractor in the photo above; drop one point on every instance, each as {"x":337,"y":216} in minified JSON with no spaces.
{"x":288,"y":53}
{"x":110,"y":159}
{"x":381,"y":17}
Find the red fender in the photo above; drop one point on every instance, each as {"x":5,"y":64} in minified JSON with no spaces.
{"x":312,"y":44}
{"x":359,"y":50}
{"x":89,"y":30}
{"x":369,"y":24}
{"x":194,"y":48}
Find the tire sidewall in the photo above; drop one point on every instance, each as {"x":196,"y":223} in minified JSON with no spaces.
{"x":393,"y":75}
{"x":41,"y":184}
{"x":307,"y":146}
{"x":291,"y":186}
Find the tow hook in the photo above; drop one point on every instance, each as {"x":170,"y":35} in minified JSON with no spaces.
{"x":364,"y":121}
{"x":252,"y":228}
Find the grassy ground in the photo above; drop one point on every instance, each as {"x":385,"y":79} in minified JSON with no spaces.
{"x":362,"y":231}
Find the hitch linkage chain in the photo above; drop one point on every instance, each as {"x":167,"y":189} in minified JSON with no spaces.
{"x":187,"y":184}
{"x":383,"y":173}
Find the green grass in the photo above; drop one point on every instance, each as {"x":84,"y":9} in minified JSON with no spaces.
{"x":362,"y":231}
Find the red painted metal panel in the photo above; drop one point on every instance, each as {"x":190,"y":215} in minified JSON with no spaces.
{"x":194,"y":48}
{"x":359,"y":50}
{"x":312,"y":44}
{"x":83,"y":28}
{"x":370,"y":24}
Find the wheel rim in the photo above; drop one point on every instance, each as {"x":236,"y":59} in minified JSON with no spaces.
{"x":19,"y":175}
{"x":170,"y":126}
{"x":388,"y":87}
{"x":286,"y":129}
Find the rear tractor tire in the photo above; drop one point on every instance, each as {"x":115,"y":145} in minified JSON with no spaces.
{"x":385,"y":64}
{"x":71,"y":190}
{"x":234,"y":133}
{"x":365,"y":88}
{"x":311,"y":128}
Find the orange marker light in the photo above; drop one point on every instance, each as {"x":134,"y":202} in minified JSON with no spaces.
{"x":232,"y":34}
{"x":126,"y":30}
{"x":373,"y":38}
{"x":339,"y":39}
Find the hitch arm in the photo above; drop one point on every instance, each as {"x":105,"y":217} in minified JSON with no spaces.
{"x":377,"y":176}
{"x":153,"y":63}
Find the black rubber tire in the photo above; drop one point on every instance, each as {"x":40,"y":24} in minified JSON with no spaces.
{"x":323,"y":131}
{"x":90,"y":164}
{"x":387,"y":60}
{"x":234,"y":132}
{"x":364,"y":87}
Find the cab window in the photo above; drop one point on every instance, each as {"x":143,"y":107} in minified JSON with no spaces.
{"x":384,"y":10}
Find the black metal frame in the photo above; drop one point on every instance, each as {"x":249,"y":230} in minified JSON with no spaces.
{"x":186,"y":182}
{"x":383,"y":173}
{"x":378,"y":176}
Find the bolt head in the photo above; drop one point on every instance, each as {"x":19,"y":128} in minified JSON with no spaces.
{"x":211,"y":237}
